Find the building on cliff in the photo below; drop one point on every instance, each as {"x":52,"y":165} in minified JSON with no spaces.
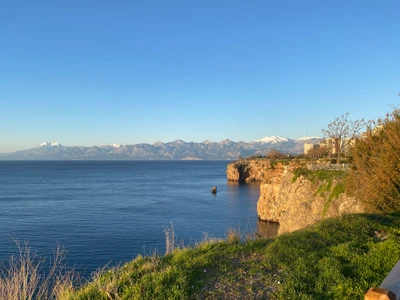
{"x":308,"y":148}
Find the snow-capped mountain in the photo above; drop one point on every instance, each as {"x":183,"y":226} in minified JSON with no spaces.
{"x":109,"y":146}
{"x":208,"y":150}
{"x":272,"y":140}
{"x":49,"y":144}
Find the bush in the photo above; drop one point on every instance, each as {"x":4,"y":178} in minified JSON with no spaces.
{"x":375,"y":175}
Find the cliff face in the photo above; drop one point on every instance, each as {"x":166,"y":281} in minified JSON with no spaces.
{"x":301,"y":203}
{"x":254,"y":170}
{"x":294,"y":203}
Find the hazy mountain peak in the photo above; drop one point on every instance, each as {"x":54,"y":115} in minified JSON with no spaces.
{"x":307,"y":138}
{"x":178,"y":142}
{"x":272,"y":139}
{"x":158,"y":144}
{"x":226,"y":142}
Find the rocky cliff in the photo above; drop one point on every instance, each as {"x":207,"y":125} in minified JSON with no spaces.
{"x":255,"y":170}
{"x":292,"y":198}
{"x":300,"y":201}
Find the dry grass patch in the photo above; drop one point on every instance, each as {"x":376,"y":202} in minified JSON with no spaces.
{"x":27,"y":276}
{"x":247,"y":278}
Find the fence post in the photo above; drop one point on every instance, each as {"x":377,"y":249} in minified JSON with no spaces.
{"x":389,"y":288}
{"x":330,"y":167}
{"x":379,"y":294}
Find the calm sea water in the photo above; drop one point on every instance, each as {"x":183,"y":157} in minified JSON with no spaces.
{"x":107,"y":212}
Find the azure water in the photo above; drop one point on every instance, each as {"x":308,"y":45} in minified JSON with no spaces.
{"x":107,"y":212}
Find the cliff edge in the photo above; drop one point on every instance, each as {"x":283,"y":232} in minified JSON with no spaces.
{"x":255,"y":170}
{"x":293,"y":196}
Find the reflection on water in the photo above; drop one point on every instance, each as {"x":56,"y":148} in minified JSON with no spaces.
{"x":267,"y":229}
{"x":250,"y":185}
{"x":251,"y":190}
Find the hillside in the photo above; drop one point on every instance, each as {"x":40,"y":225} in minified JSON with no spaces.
{"x":335,"y":259}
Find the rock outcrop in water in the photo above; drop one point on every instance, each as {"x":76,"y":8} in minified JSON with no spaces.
{"x":294,"y":203}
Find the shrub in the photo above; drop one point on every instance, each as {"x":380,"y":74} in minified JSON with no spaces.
{"x":274,"y":154}
{"x":375,"y":175}
{"x":273,"y":164}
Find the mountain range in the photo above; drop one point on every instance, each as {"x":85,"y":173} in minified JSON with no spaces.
{"x":176,"y":150}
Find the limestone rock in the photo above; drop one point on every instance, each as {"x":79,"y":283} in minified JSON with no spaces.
{"x":257,"y":170}
{"x":296,"y":205}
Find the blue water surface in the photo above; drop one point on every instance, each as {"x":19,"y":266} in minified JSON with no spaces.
{"x":107,"y":212}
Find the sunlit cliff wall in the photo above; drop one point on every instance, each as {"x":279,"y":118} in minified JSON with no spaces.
{"x":294,"y":201}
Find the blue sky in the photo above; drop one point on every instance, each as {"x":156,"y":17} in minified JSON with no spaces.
{"x":102,"y":72}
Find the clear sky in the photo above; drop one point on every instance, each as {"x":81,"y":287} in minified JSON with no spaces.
{"x":101,"y":72}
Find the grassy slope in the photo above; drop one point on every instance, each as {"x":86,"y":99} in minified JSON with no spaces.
{"x":336,"y":259}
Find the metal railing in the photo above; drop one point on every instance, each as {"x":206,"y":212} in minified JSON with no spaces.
{"x":331,"y":167}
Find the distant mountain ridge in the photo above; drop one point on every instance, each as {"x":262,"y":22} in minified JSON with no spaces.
{"x":176,"y":150}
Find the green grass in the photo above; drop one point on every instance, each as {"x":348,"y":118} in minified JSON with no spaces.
{"x":336,"y":259}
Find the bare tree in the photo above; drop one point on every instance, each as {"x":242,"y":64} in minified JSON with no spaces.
{"x":342,"y":131}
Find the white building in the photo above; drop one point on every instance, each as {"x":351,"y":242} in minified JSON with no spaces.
{"x":308,"y":148}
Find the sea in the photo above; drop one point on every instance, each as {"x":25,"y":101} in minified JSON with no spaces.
{"x":108,"y":212}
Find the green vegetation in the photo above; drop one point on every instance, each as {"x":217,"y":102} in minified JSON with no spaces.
{"x":319,"y":175}
{"x":375,"y":175}
{"x":273,"y":164}
{"x":336,"y":191}
{"x":276,"y":162}
{"x":283,"y":162}
{"x":336,"y":259}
